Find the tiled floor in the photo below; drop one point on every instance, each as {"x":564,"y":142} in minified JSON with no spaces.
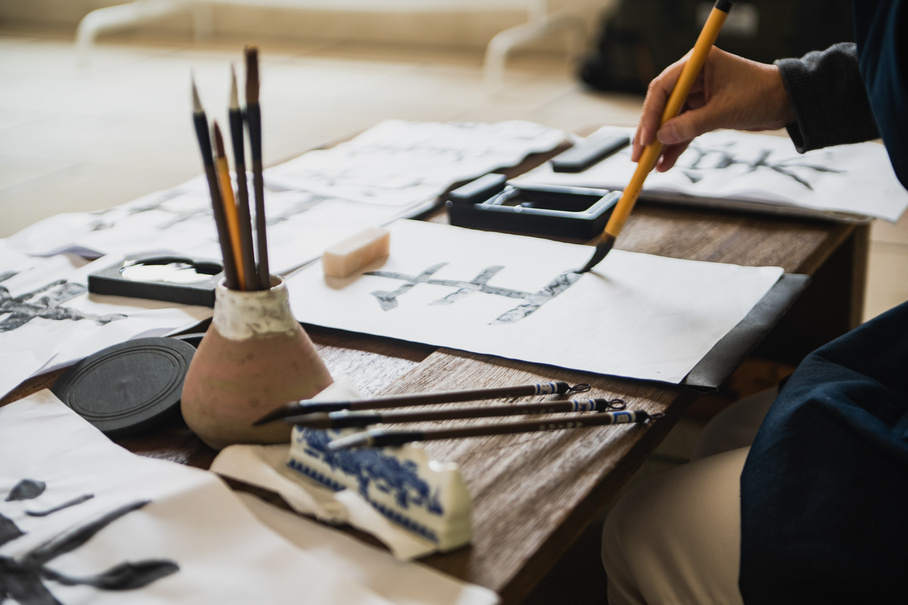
{"x":75,"y":138}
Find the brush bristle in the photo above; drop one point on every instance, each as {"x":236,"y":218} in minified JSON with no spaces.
{"x":196,"y":102}
{"x":234,"y":95}
{"x":219,"y":141}
{"x":603,"y":247}
{"x":252,"y":74}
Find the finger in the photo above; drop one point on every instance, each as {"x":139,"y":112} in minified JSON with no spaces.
{"x":670,"y":155}
{"x":657,"y":94}
{"x":637,"y":146}
{"x":691,"y":124}
{"x":649,"y":123}
{"x":651,"y":115}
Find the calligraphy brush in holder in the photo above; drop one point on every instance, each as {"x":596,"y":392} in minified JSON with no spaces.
{"x":255,"y":357}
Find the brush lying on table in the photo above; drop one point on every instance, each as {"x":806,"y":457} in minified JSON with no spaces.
{"x":349,"y":418}
{"x":385,"y":438}
{"x":300,"y":408}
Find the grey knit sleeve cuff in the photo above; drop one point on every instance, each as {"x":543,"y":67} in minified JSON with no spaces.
{"x":829,"y":99}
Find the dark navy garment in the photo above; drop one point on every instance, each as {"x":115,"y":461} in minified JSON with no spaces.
{"x":825,"y":486}
{"x":881,"y":33}
{"x":824,"y":490}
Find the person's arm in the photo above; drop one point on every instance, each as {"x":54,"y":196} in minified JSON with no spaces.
{"x":829,"y":99}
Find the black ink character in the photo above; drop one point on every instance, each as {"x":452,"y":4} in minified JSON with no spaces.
{"x":694,"y":163}
{"x":22,"y":579}
{"x":27,"y":489}
{"x":45,"y":302}
{"x":532,"y":301}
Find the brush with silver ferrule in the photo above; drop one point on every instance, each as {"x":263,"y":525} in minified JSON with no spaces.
{"x":358,"y":419}
{"x":301,"y":408}
{"x":389,"y":438}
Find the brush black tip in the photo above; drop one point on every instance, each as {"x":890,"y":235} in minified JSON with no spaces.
{"x":219,"y":141}
{"x":251,"y":54}
{"x":603,"y":247}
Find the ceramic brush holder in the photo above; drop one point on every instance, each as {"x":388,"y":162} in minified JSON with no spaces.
{"x":254,"y":358}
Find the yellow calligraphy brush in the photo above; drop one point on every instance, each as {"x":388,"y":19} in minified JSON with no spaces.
{"x":233,"y":222}
{"x":651,"y":153}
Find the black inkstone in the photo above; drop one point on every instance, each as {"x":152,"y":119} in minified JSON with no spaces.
{"x":127,"y":387}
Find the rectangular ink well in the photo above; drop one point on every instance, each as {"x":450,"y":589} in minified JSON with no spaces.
{"x":492,"y":203}
{"x":163,"y":277}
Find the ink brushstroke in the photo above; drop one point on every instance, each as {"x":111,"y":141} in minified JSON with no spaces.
{"x":531,"y":301}
{"x":23,"y":580}
{"x":20,"y":310}
{"x":694,"y":163}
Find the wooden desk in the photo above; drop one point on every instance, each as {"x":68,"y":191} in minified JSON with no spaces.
{"x":534,"y":494}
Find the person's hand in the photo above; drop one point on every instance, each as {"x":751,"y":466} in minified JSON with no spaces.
{"x":729,"y":92}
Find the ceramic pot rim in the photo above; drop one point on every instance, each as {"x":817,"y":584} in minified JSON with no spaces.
{"x":240,"y":314}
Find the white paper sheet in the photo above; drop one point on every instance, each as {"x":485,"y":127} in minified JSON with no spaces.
{"x":403,"y":584}
{"x":398,"y":163}
{"x":634,"y":315}
{"x":179,"y":221}
{"x":223,"y":554}
{"x":48,"y":319}
{"x":396,"y":169}
{"x":730,"y":165}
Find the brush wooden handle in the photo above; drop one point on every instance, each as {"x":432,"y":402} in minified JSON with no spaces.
{"x":676,"y":100}
{"x":392,"y":401}
{"x":229,"y":202}
{"x":386,"y":438}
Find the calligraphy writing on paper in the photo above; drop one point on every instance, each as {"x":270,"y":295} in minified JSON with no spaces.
{"x":45,"y":302}
{"x":700,"y":159}
{"x":176,"y":214}
{"x":22,"y":578}
{"x":530,"y":301}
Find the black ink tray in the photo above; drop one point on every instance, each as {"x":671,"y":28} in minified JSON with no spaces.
{"x":175,"y":279}
{"x":491,"y":202}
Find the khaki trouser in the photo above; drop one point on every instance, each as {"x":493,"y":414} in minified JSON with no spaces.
{"x":676,"y":537}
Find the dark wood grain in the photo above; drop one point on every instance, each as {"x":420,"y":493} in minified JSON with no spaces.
{"x":533,"y":494}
